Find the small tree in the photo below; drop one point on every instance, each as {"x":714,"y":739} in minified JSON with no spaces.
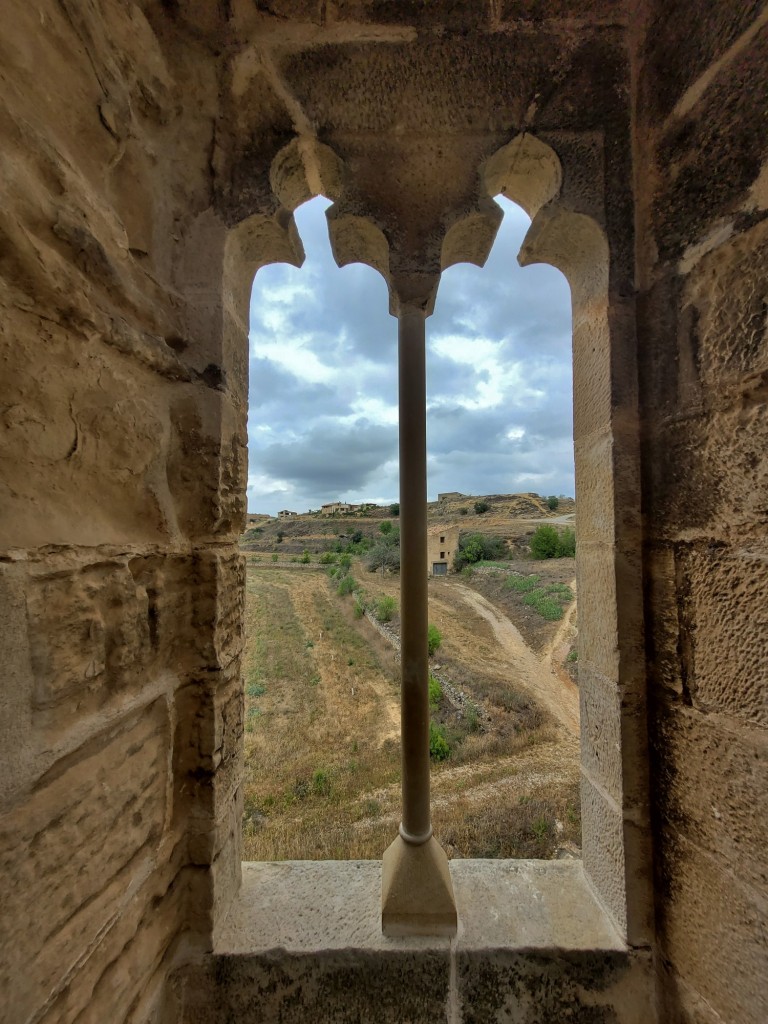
{"x":481,"y":507}
{"x":394,"y":508}
{"x":383,"y":556}
{"x":552,"y":502}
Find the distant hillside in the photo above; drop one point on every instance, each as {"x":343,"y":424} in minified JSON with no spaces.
{"x":530,"y":505}
{"x":508,"y":515}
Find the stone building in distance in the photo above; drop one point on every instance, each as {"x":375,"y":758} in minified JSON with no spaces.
{"x":442,"y":545}
{"x":337,"y":507}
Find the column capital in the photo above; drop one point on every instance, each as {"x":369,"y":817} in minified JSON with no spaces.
{"x":410,"y":293}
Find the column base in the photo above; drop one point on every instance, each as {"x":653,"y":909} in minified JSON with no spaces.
{"x":416,"y":890}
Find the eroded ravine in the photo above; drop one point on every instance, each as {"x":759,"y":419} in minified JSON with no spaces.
{"x":560,"y":698}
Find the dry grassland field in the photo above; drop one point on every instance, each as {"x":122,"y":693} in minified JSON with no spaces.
{"x":322,"y":714}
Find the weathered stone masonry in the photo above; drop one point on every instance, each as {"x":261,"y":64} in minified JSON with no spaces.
{"x":152,"y":155}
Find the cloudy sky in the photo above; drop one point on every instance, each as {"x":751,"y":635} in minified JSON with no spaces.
{"x":322,"y":421}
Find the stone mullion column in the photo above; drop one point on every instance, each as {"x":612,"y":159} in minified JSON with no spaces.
{"x":417,"y":894}
{"x":416,"y":825}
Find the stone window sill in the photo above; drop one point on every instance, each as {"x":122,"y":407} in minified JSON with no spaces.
{"x":305,"y":906}
{"x":303,"y":943}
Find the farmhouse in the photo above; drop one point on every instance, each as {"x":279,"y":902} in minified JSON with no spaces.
{"x":442,"y":545}
{"x":334,"y":507}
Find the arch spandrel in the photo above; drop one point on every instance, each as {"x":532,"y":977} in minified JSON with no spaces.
{"x":525,"y":170}
{"x":306,"y":168}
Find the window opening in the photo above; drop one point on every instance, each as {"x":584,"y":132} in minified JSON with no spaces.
{"x":322,"y":716}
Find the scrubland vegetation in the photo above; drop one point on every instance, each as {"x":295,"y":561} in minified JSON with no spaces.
{"x":322,"y":726}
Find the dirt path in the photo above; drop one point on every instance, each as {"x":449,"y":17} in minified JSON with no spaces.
{"x":562,"y":635}
{"x":559,"y":698}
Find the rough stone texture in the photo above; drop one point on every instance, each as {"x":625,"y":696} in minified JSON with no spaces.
{"x":700,"y":101}
{"x":152,"y":156}
{"x":122,"y":455}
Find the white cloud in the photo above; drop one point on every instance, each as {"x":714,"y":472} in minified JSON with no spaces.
{"x":323,"y":406}
{"x":295,"y":355}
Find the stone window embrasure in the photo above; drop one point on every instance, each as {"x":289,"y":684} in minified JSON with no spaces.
{"x":613,"y":731}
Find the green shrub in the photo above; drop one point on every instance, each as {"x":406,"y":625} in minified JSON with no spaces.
{"x":347,"y":585}
{"x":359,"y":606}
{"x":394,"y":508}
{"x":477,"y":547}
{"x":434,"y":639}
{"x":545,"y":542}
{"x":552,"y":502}
{"x":327,"y":558}
{"x":546,"y":606}
{"x":540,"y":827}
{"x":385,"y":527}
{"x":439,"y":750}
{"x":435,"y":692}
{"x":548,"y":543}
{"x":275,"y":557}
{"x":345,"y":561}
{"x":521,"y":584}
{"x":384,"y":608}
{"x":305,"y":558}
{"x":463,"y":511}
{"x":567,"y":544}
{"x":472,"y":717}
{"x":321,"y":782}
{"x":481,"y":507}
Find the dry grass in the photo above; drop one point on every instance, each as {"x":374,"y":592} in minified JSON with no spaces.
{"x":322,"y":731}
{"x":535,"y":824}
{"x":322,"y":719}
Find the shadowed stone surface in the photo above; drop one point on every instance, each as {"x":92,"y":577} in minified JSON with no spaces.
{"x":532,"y":946}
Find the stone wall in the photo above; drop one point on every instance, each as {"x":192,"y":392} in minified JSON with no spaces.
{"x":701,"y":96}
{"x":121,"y":495}
{"x":152,"y":156}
